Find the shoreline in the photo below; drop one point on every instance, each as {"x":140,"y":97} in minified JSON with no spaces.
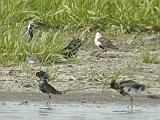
{"x":107,"y":97}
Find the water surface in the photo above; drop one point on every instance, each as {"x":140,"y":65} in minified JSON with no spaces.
{"x":77,"y":111}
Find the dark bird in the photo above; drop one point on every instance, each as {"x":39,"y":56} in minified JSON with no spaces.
{"x":74,"y":46}
{"x":103,"y":42}
{"x":30,"y":30}
{"x":45,"y":87}
{"x":128,"y":87}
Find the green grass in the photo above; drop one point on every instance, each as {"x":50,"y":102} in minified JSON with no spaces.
{"x":112,"y":16}
{"x":118,"y":16}
{"x":149,"y":57}
{"x":109,"y":77}
{"x":132,"y":65}
{"x":149,"y":85}
{"x":14,"y":47}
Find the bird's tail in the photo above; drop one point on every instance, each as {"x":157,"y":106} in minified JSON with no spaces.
{"x":113,"y":47}
{"x":53,"y":90}
{"x":57,"y":92}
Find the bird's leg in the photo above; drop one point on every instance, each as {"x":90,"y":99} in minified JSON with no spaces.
{"x":104,"y":53}
{"x":48,"y":102}
{"x":131,"y":102}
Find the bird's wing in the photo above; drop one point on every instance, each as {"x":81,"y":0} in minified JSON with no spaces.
{"x":107,"y":43}
{"x":133,"y":89}
{"x":73,"y":43}
{"x":127,"y":82}
{"x":44,"y":89}
{"x":73,"y":47}
{"x":51,"y":89}
{"x":139,"y":87}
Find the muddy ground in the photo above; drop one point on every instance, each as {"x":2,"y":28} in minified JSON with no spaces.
{"x":87,"y":78}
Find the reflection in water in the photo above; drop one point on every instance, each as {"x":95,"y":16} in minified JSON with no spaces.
{"x":45,"y":111}
{"x":16,"y":111}
{"x":128,"y":111}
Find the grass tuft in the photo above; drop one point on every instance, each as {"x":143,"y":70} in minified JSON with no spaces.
{"x":149,"y":57}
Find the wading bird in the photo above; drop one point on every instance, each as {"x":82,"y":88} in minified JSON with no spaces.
{"x":45,"y":87}
{"x":128,"y":87}
{"x":103,"y":42}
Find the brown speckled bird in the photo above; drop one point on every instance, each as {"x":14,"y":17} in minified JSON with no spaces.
{"x":128,"y":87}
{"x":103,"y":42}
{"x":45,"y":87}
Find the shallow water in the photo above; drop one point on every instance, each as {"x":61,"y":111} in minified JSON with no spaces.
{"x":77,"y":111}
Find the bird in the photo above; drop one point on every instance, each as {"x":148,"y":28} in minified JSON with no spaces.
{"x":32,"y":61}
{"x":73,"y":46}
{"x":45,"y":87}
{"x":103,"y":42}
{"x":30,"y":30}
{"x":129,"y":88}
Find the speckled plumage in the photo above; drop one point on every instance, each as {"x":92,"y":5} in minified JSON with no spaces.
{"x":45,"y":87}
{"x":103,"y":42}
{"x":30,"y":30}
{"x":128,"y":87}
{"x":74,"y":46}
